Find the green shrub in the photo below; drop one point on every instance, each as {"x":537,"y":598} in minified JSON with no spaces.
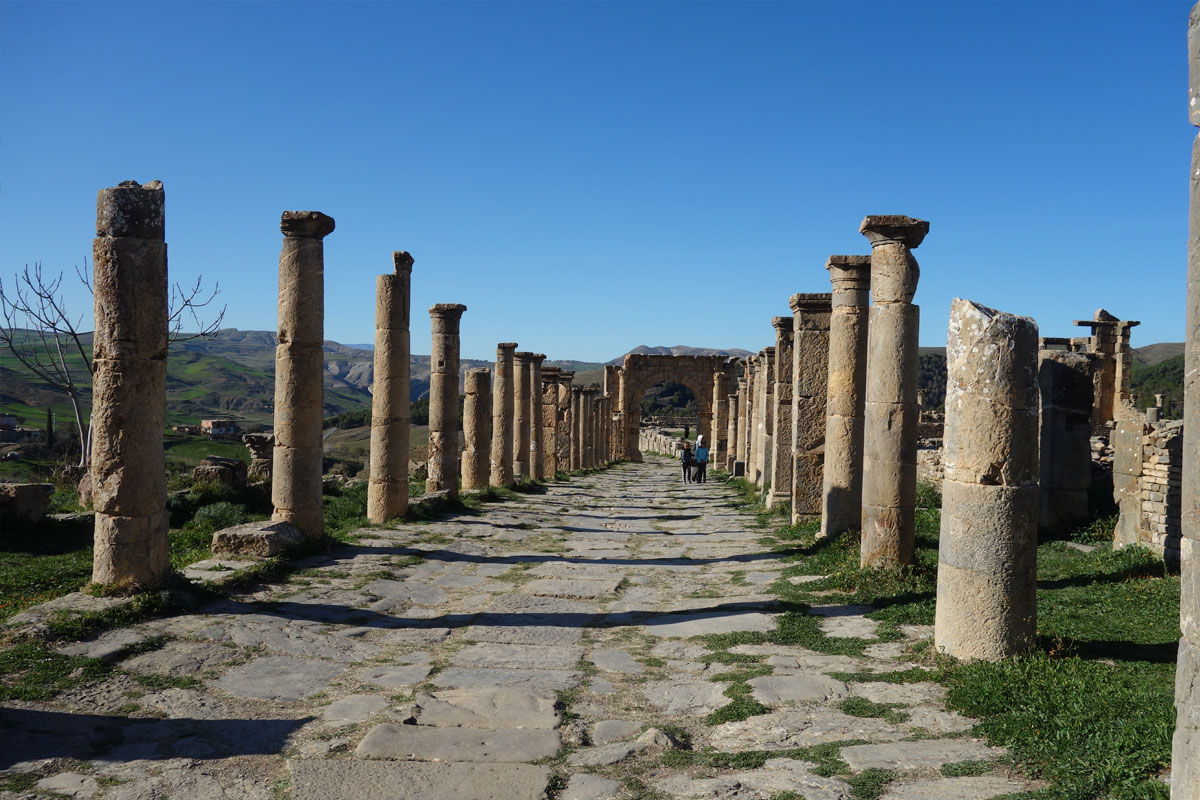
{"x":215,"y":517}
{"x":928,"y":495}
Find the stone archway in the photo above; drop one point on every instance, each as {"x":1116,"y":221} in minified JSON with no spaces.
{"x":640,"y":372}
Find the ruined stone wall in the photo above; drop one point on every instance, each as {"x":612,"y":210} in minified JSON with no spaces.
{"x":1147,"y":485}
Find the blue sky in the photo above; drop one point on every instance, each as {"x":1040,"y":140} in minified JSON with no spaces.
{"x":590,"y":176}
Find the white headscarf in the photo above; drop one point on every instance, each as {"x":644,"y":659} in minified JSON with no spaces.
{"x":700,"y":440}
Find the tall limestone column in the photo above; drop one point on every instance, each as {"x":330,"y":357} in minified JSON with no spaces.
{"x":719,"y":445}
{"x":503,"y":400}
{"x":299,"y":370}
{"x":781,"y":454}
{"x":841,"y":488}
{"x":732,"y":435}
{"x":987,"y":556}
{"x":753,"y":372}
{"x":811,"y":315}
{"x":563,"y":420}
{"x":523,"y":388}
{"x":387,"y":492}
{"x":477,"y":428}
{"x":549,"y":399}
{"x":765,"y":411}
{"x":576,"y":428}
{"x":1185,"y":776}
{"x":588,"y":440}
{"x":537,"y":455}
{"x":129,"y":389}
{"x":890,"y":414}
{"x":743,"y":426}
{"x":443,"y":399}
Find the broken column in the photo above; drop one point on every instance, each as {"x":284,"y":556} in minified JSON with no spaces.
{"x":765,"y":412}
{"x":780,"y":455}
{"x":587,"y":450}
{"x":743,"y":421}
{"x":1185,"y":775}
{"x":987,"y":557}
{"x":719,"y":445}
{"x":576,"y":428}
{"x":503,"y":400}
{"x":890,"y":413}
{"x":442,"y":472}
{"x":1065,"y":380}
{"x":477,"y":428}
{"x":129,"y":388}
{"x":299,"y":372}
{"x":387,"y":492}
{"x":810,"y":344}
{"x":732,"y":435}
{"x":846,"y":384}
{"x":522,"y":389}
{"x":549,"y":400}
{"x":537,"y":463}
{"x":563,"y":420}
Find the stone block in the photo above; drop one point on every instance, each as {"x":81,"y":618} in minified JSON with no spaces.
{"x":27,"y":501}
{"x":256,"y":539}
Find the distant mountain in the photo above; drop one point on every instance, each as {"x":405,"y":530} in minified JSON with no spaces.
{"x":1153,"y":354}
{"x":678,"y":350}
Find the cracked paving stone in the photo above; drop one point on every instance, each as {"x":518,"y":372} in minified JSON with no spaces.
{"x":390,"y":741}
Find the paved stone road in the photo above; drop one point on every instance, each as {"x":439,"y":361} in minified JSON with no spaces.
{"x":540,"y":646}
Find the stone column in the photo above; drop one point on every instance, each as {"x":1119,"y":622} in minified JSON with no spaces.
{"x":732,"y":435}
{"x":129,"y":389}
{"x":764,"y":405}
{"x":811,"y":314}
{"x":846,"y":385}
{"x":987,"y":557}
{"x":387,"y":492}
{"x":587,"y":440}
{"x":523,"y":388}
{"x":503,"y":400}
{"x":549,"y":399}
{"x":576,"y":428}
{"x":1065,"y":380}
{"x":781,"y":454}
{"x":477,"y":428}
{"x":537,"y":457}
{"x":443,"y":399}
{"x":563,"y":420}
{"x":743,"y":424}
{"x":299,"y":372}
{"x":1185,"y":776}
{"x":719,"y":445}
{"x":890,"y":413}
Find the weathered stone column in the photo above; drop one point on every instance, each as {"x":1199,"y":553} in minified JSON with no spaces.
{"x":732,"y":435}
{"x":587,"y":448}
{"x":753,"y":406}
{"x":987,"y":557}
{"x":387,"y":492}
{"x":299,"y":371}
{"x":503,"y":400}
{"x":890,"y":413}
{"x":781,"y":454}
{"x":477,"y":428}
{"x":564,"y":420}
{"x":1065,"y":380}
{"x":523,"y":388}
{"x":129,"y":389}
{"x":743,"y":422}
{"x":443,"y":399}
{"x":719,"y":445}
{"x":810,"y":319}
{"x":537,"y":456}
{"x":1185,"y":776}
{"x":576,"y":428}
{"x":549,"y":400}
{"x":846,"y":386}
{"x":765,"y":412}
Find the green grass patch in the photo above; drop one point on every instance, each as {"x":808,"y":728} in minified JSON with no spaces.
{"x":43,"y":561}
{"x":862,"y":707}
{"x":31,"y":671}
{"x":965,"y":769}
{"x":869,"y":784}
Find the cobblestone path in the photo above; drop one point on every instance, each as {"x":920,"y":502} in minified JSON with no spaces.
{"x":542,"y":648}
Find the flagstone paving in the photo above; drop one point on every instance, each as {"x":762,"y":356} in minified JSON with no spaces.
{"x":539,"y":649}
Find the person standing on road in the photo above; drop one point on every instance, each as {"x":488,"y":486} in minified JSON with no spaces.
{"x":701,"y":460}
{"x":685,"y":458}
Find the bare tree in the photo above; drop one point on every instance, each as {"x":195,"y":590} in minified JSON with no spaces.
{"x":46,"y":339}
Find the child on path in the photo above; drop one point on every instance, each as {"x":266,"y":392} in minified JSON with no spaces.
{"x":685,"y":458}
{"x":701,"y":460}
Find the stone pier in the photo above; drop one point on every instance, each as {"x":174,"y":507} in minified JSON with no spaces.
{"x":503,"y":400}
{"x":780,"y":454}
{"x":387,"y":492}
{"x":841,"y":488}
{"x":576,"y":428}
{"x":299,"y":372}
{"x":1065,"y":380}
{"x":987,"y":558}
{"x":719,"y":446}
{"x":1185,"y":777}
{"x":522,"y":390}
{"x":810,"y":345}
{"x":588,"y":448}
{"x":443,"y":399}
{"x":732,"y":436}
{"x":743,"y":420}
{"x":537,"y":456}
{"x":563,"y":420}
{"x":765,"y":412}
{"x":890,"y":413}
{"x":129,"y":389}
{"x":477,"y":428}
{"x":549,"y":400}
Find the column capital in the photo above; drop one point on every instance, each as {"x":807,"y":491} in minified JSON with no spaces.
{"x":305,"y":224}
{"x":505,"y":348}
{"x":782,"y":324}
{"x":523,"y":355}
{"x":894,"y":228}
{"x":566,"y":376}
{"x":537,"y":358}
{"x":132,"y":209}
{"x":849,"y":272}
{"x":811,"y":302}
{"x":402,"y":262}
